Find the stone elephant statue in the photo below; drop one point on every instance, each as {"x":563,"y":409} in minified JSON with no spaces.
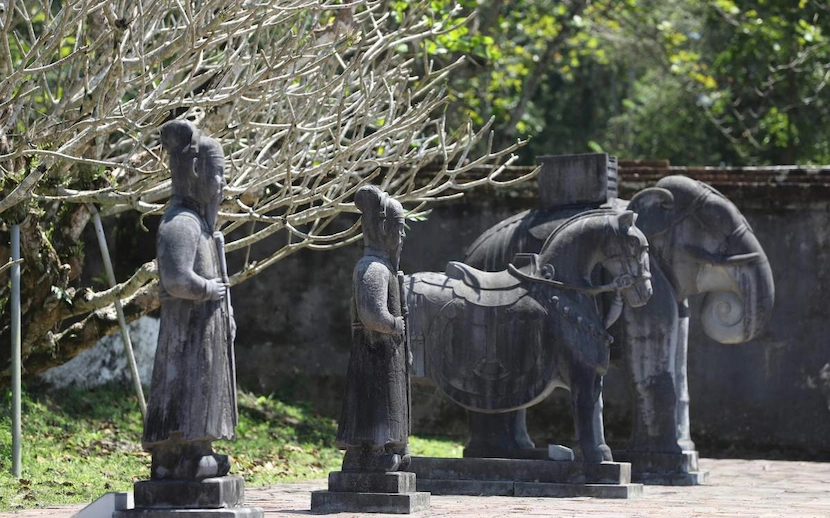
{"x":699,"y":243}
{"x":502,"y":341}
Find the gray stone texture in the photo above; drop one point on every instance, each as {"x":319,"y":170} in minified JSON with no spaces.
{"x":700,"y":244}
{"x":237,"y":512}
{"x":521,"y":477}
{"x":539,"y":489}
{"x":209,"y":493}
{"x":597,"y":174}
{"x":503,"y":340}
{"x":521,"y":470}
{"x":374,"y":421}
{"x":327,"y":502}
{"x":767,"y":395}
{"x":362,"y":482}
{"x":667,"y":469}
{"x":192,"y":399}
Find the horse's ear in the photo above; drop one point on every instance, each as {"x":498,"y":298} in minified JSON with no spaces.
{"x":627,"y":219}
{"x":655,"y":206}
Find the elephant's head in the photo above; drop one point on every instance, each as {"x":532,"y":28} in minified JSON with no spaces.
{"x":705,"y":245}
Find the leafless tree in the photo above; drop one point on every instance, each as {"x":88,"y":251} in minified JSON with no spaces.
{"x":311,"y":99}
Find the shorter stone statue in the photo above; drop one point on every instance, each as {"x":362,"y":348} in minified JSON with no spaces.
{"x":374,"y":423}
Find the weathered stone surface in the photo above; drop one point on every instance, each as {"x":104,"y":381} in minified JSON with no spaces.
{"x":559,"y":452}
{"x":374,"y":421}
{"x":326,"y":502}
{"x":537,"y":489}
{"x":528,"y":489}
{"x":503,"y":341}
{"x":596,"y":184}
{"x":665,"y":469}
{"x":555,"y":452}
{"x":192,"y":398}
{"x":700,"y":244}
{"x":520,"y":470}
{"x":237,"y":512}
{"x":367,"y":482}
{"x":694,"y":478}
{"x":683,"y":462}
{"x":466,"y":487}
{"x":209,"y":493}
{"x":505,"y":453}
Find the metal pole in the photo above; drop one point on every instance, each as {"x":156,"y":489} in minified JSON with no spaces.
{"x":125,"y":334}
{"x":16,"y":415}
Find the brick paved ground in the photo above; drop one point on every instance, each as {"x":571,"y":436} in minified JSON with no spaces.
{"x":737,"y":488}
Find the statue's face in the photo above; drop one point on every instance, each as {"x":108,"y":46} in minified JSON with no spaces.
{"x":396,"y":230}
{"x":214,"y":183}
{"x":397,"y":235}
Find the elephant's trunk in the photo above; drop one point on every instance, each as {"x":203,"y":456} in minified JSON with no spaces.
{"x":740,"y":302}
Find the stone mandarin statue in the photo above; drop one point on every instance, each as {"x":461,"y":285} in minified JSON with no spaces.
{"x":193,"y":392}
{"x":374,"y":422}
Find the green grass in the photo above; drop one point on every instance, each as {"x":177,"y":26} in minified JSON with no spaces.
{"x":79,"y":444}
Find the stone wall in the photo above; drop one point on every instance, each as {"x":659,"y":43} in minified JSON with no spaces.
{"x":768,"y":395}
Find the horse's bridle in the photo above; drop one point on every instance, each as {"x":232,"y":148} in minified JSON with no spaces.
{"x":618,"y":284}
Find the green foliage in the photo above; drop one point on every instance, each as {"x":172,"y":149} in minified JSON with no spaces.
{"x":79,"y":444}
{"x":694,"y":81}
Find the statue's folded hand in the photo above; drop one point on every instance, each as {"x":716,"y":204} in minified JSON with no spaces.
{"x":216,"y":289}
{"x":400,"y":326}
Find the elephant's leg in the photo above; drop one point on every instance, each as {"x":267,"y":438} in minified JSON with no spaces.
{"x":586,"y":397}
{"x":681,"y":380}
{"x":649,"y":340}
{"x":490,"y":433}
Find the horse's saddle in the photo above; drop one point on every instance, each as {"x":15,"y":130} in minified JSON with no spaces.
{"x":488,"y":289}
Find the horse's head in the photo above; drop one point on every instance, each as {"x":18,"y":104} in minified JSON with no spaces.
{"x":601,"y":237}
{"x":625,"y":256}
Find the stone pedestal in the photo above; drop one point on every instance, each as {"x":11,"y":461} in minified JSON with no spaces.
{"x":664,"y":469}
{"x":393,"y":493}
{"x":524,"y":477}
{"x":221,"y":497}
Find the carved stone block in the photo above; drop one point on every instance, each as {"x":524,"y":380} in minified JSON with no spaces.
{"x":394,"y":482}
{"x":569,"y":180}
{"x":219,"y":497}
{"x":209,"y":493}
{"x":324,"y":502}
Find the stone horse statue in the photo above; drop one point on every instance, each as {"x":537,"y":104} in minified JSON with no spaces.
{"x":502,"y":341}
{"x":699,"y":243}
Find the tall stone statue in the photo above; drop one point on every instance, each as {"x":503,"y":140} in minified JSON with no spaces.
{"x":374,"y":423}
{"x":193,"y":392}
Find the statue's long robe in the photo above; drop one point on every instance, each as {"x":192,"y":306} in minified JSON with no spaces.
{"x":376,"y":407}
{"x":193,"y":391}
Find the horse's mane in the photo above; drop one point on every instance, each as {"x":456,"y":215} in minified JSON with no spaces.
{"x":574,"y":219}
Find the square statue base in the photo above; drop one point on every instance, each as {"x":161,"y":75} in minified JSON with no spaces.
{"x":664,"y":469}
{"x":524,"y":477}
{"x":354,"y":492}
{"x":220,"y":497}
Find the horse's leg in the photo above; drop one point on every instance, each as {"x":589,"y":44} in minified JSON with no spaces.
{"x":490,"y":433}
{"x":586,"y":397}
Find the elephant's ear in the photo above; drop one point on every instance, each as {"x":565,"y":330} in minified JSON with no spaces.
{"x":655,"y":207}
